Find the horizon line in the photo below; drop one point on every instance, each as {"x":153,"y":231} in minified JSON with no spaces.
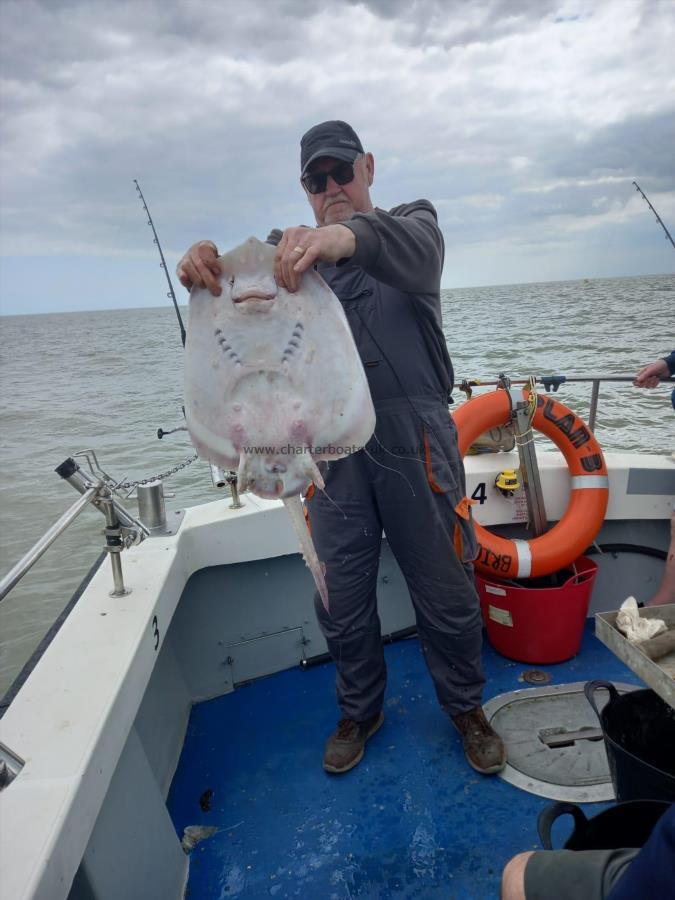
{"x":467,"y":287}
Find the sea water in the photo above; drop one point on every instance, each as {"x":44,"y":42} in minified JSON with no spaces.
{"x":108,"y":380}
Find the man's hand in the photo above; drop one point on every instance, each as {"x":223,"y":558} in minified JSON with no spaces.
{"x":200,"y":267}
{"x":651,"y":375}
{"x":300,"y":248}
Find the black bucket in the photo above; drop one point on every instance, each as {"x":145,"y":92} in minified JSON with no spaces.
{"x":623,"y":825}
{"x":639,"y":731}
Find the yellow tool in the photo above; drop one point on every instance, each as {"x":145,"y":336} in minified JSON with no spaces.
{"x":507,"y":482}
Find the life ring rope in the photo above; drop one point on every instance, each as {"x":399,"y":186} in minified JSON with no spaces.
{"x":583,"y":518}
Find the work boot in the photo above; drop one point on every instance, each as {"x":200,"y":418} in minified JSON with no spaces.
{"x":483,"y":748}
{"x":346,"y":746}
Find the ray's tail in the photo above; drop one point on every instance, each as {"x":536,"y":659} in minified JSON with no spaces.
{"x":294,"y":508}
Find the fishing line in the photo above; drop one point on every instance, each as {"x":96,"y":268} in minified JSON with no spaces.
{"x":389,"y":469}
{"x":405,"y":393}
{"x":397,"y":455}
{"x":334,"y":502}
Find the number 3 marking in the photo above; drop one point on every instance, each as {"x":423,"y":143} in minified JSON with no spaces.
{"x":155,"y":631}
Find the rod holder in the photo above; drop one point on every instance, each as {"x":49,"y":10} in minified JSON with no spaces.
{"x":71,"y":472}
{"x":121,"y":527}
{"x":218,"y":476}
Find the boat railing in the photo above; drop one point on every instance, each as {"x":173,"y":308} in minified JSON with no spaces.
{"x":124,"y":530}
{"x":553,"y":382}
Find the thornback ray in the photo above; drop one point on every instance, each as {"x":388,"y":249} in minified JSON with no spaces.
{"x":273,"y":382}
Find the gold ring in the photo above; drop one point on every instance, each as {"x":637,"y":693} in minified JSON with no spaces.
{"x":298,"y":250}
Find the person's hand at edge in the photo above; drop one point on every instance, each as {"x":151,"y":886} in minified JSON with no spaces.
{"x":650,"y":376}
{"x":200,"y":266}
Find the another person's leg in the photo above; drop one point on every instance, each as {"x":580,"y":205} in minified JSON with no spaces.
{"x":513,"y":877}
{"x":565,"y":874}
{"x":666,"y":591}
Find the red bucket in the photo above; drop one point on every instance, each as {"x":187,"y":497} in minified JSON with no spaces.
{"x":534,"y":624}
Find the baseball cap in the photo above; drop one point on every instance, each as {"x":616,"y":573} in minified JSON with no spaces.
{"x":334,"y":138}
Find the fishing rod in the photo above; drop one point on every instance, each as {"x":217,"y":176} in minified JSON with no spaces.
{"x":658,"y":217}
{"x":220,"y":478}
{"x":170,"y":292}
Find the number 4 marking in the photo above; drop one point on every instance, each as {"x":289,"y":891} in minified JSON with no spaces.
{"x":480,"y":494}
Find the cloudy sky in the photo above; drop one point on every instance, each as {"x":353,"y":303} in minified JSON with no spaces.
{"x":523,"y":121}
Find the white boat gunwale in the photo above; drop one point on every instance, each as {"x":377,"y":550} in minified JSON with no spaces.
{"x":92,"y":680}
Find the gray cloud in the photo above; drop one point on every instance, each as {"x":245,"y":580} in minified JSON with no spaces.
{"x":525,"y":122}
{"x":467,"y":22}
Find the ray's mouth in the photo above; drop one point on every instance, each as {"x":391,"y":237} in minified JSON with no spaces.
{"x":253,"y":295}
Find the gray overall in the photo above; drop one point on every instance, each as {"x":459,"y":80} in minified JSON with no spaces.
{"x":419,"y":498}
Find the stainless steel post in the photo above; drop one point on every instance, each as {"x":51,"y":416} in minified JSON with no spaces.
{"x":151,"y":506}
{"x":119,"y":590}
{"x":231,"y":479}
{"x":114,"y":546}
{"x":595,"y":393}
{"x":530,"y":470}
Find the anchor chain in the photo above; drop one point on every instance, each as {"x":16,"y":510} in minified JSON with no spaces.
{"x":130,"y":485}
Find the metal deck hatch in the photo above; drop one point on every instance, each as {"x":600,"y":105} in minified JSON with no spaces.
{"x":554,"y":742}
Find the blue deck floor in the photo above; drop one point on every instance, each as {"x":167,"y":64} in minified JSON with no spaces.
{"x":412,"y":820}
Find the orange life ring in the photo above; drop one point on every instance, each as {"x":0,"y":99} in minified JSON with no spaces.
{"x":583,"y":518}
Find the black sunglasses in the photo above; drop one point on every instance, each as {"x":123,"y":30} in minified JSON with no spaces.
{"x":316,"y":182}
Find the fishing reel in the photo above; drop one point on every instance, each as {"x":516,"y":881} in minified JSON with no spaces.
{"x":507,"y":483}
